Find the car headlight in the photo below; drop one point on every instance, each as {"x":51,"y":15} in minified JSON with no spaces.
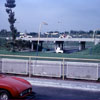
{"x":21,"y":94}
{"x":25,"y":92}
{"x":29,"y":90}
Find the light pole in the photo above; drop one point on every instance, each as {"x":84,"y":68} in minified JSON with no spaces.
{"x":59,"y":24}
{"x":39,"y":34}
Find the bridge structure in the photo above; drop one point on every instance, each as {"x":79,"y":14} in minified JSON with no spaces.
{"x":60,"y":41}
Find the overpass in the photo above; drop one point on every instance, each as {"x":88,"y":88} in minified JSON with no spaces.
{"x":59,"y":41}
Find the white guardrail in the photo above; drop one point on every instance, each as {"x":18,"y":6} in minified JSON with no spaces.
{"x":47,"y":68}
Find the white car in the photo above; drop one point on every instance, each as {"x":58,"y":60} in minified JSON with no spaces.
{"x":21,"y":36}
{"x":58,"y":50}
{"x":68,"y":36}
{"x":27,"y":36}
{"x":64,"y":36}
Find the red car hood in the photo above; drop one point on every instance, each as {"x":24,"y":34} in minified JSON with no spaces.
{"x":18,"y":83}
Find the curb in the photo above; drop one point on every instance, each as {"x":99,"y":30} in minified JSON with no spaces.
{"x":87,"y":86}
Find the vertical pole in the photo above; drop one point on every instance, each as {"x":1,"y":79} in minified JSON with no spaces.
{"x":63,"y":69}
{"x":97,"y":72}
{"x":29,"y":66}
{"x":39,"y":38}
{"x":31,"y":46}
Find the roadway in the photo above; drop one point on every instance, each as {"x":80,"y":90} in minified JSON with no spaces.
{"x":63,"y":89}
{"x":41,"y":92}
{"x":61,"y":39}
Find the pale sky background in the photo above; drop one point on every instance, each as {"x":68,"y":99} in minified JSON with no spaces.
{"x":61,"y":15}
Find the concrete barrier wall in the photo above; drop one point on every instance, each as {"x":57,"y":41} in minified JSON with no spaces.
{"x":82,"y":70}
{"x":47,"y":68}
{"x":15,"y":66}
{"x":75,"y":70}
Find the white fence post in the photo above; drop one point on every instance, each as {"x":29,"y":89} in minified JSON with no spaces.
{"x":29,"y":67}
{"x":63,"y":69}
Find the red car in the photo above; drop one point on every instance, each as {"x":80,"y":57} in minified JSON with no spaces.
{"x":14,"y":87}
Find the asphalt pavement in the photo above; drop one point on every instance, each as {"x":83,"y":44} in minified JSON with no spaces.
{"x":51,"y":93}
{"x":68,"y":84}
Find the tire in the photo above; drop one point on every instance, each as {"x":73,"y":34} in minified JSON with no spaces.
{"x":4,"y":95}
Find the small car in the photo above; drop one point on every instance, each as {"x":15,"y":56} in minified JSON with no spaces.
{"x":14,"y":87}
{"x":58,"y":50}
{"x":65,"y":36}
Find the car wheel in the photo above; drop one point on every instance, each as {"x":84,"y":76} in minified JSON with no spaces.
{"x":4,"y":95}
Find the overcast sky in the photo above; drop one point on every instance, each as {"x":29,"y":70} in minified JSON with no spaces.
{"x":61,"y":15}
